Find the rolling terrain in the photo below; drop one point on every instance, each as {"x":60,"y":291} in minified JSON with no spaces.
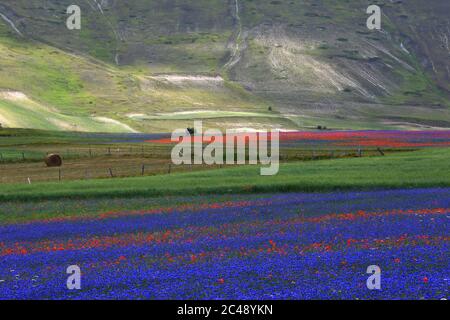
{"x":362,"y":172}
{"x":152,"y":66}
{"x":420,"y":169}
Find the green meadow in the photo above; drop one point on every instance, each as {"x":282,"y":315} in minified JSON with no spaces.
{"x":425,"y":168}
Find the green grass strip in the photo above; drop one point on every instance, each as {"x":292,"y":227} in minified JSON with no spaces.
{"x":426,"y":168}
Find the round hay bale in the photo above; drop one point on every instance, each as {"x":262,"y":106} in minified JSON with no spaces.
{"x":53,"y":160}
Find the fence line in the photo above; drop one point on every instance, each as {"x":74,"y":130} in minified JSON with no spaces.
{"x":84,"y":153}
{"x":66,"y":174}
{"x":114,"y":169}
{"x":163,"y":151}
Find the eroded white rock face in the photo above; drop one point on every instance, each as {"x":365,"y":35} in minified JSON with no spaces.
{"x":125,"y":127}
{"x":291,"y":61}
{"x":190,"y":80}
{"x":13,"y":95}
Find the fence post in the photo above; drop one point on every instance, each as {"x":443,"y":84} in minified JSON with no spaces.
{"x":380,"y":151}
{"x":111,"y":173}
{"x":143,"y":169}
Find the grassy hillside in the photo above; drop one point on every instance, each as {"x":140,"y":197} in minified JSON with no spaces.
{"x":139,"y":65}
{"x":43,"y":87}
{"x":427,"y":168}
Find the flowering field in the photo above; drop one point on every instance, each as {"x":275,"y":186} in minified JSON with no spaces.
{"x":382,"y":139}
{"x":351,"y":139}
{"x":270,"y":246}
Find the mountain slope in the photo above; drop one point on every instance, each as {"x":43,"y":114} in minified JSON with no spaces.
{"x":155,"y":65}
{"x":65,"y":91}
